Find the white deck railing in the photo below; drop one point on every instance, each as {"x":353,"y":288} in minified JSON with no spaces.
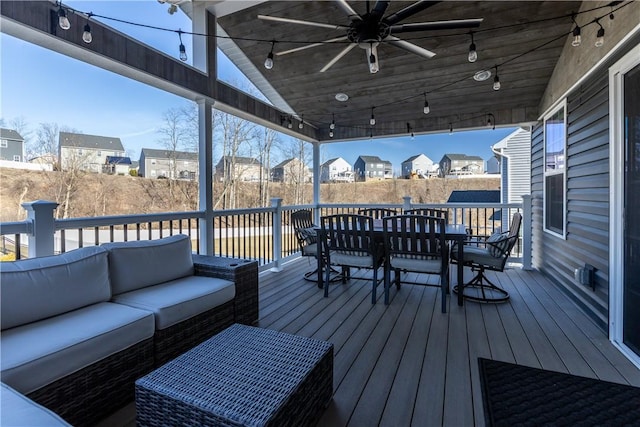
{"x":263,"y":234}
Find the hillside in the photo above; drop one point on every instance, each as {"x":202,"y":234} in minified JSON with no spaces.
{"x":98,"y":195}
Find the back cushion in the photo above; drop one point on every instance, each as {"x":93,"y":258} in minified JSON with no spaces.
{"x":37,"y":288}
{"x":135,"y":265}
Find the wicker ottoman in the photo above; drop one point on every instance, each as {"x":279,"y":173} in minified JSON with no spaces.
{"x":244,"y":376}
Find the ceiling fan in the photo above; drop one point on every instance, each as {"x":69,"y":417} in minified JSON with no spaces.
{"x":367,"y":31}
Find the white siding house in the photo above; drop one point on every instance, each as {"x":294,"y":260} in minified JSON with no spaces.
{"x":419,"y":165}
{"x":332,"y":169}
{"x":514,"y":154}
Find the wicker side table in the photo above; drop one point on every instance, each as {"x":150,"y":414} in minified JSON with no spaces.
{"x":244,"y":376}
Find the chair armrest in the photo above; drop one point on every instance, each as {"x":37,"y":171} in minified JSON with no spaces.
{"x":243,"y":272}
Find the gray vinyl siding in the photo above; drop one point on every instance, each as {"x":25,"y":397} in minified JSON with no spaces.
{"x":519,"y":167}
{"x":587,"y":186}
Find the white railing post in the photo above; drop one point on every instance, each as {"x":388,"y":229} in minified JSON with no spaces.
{"x":205,"y":176}
{"x":316,"y":182}
{"x":527,"y":209}
{"x":43,"y":227}
{"x":406,"y":204}
{"x":276,"y":203}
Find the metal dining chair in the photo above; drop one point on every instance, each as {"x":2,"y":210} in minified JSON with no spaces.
{"x":490,"y":254}
{"x":377,"y":213}
{"x":416,"y":243}
{"x":302,"y":222}
{"x":439,"y":213}
{"x":349,"y":241}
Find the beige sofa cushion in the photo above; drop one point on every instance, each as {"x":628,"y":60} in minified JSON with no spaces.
{"x":136,"y":265}
{"x":37,"y":288}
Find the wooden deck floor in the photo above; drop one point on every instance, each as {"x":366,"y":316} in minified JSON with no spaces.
{"x":409,"y":364}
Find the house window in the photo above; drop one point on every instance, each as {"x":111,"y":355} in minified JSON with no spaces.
{"x":555,"y":143}
{"x":99,"y":154}
{"x":3,"y":143}
{"x":16,"y":158}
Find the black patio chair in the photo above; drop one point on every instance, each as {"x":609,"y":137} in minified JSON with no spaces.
{"x":416,"y":243}
{"x":302,"y":222}
{"x":438,"y":213}
{"x":490,"y":254}
{"x":349,"y":241}
{"x":377,"y":213}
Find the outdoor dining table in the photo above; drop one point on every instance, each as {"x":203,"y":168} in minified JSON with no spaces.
{"x":453,"y":232}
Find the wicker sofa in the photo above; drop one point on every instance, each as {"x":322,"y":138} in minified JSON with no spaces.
{"x":79,"y":328}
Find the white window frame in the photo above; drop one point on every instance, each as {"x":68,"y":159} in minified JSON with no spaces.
{"x":16,"y":158}
{"x":545,"y":173}
{"x":4,"y":143}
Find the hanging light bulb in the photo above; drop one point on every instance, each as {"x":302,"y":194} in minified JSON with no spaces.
{"x":496,"y":81}
{"x":331,"y":134}
{"x":290,"y":124}
{"x":86,"y":35}
{"x":372,"y":58}
{"x":372,"y":120}
{"x":577,"y":38}
{"x":491,"y":121}
{"x":301,"y":124}
{"x":450,"y":128}
{"x":183,"y":51}
{"x":426,"y":109}
{"x":473,"y":54}
{"x":268,"y":63}
{"x":63,"y":21}
{"x":332,"y":126}
{"x":600,"y":36}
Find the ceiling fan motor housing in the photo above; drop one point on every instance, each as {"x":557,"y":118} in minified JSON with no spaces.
{"x":367,"y":31}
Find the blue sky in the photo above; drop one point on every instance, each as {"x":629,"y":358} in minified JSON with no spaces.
{"x":46,"y":87}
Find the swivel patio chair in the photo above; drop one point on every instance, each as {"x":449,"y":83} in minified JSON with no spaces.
{"x":377,"y":213}
{"x":416,"y":243}
{"x":349,"y":241}
{"x":490,"y":254}
{"x":305,"y":231}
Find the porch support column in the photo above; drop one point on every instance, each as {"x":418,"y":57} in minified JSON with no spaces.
{"x":316,"y":182}
{"x":526,"y":231}
{"x":276,"y":204}
{"x":43,"y":227}
{"x":205,"y":174}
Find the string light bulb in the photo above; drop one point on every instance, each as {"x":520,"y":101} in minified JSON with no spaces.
{"x":332,"y":126}
{"x":63,"y":21}
{"x":577,"y":38}
{"x":290,"y":123}
{"x":426,"y":109}
{"x":183,"y":51}
{"x":473,"y":54}
{"x":496,"y":81}
{"x":599,"y":36}
{"x":450,"y":128}
{"x":372,"y":120}
{"x":86,"y":35}
{"x":491,"y":121}
{"x":330,"y":133}
{"x":301,"y":124}
{"x":268,"y":63}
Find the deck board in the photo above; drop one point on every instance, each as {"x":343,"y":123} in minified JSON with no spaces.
{"x":409,"y":364}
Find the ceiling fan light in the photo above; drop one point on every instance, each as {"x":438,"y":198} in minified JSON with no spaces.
{"x":372,"y":56}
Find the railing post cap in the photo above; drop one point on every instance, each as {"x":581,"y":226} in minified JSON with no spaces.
{"x":276,"y":201}
{"x":39,"y":204}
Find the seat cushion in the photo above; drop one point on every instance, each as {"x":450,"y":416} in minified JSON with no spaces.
{"x":345,"y":258}
{"x":40,"y":353}
{"x":180,"y":299}
{"x":416,"y":264}
{"x":138,"y":264}
{"x":479,"y":256}
{"x":310,"y":250}
{"x":20,"y":411}
{"x":37,"y":288}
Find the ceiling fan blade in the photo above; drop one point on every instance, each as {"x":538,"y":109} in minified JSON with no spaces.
{"x":409,"y":47}
{"x":309,"y":46}
{"x":353,"y":15}
{"x":297,"y":21}
{"x":436,"y":25}
{"x":338,"y":56}
{"x":408,"y":11}
{"x":379,"y":9}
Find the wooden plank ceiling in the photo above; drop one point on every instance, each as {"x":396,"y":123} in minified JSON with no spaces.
{"x":519,"y":35}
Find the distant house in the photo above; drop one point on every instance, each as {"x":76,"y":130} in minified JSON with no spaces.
{"x":474,"y":196}
{"x":115,"y":165}
{"x":418,"y":165}
{"x":335,"y":170}
{"x":291,"y":171}
{"x":514,"y":155}
{"x":461,"y":164}
{"x":155,"y":163}
{"x":239,"y":168}
{"x":87,"y":152}
{"x":11,"y":145}
{"x":493,"y":165}
{"x":372,"y":167}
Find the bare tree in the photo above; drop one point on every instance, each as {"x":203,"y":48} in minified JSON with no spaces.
{"x":46,"y":142}
{"x":298,"y":172}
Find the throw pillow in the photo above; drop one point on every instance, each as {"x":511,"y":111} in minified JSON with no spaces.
{"x":498,"y":243}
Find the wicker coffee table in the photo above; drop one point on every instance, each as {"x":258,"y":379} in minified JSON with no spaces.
{"x":243,"y":376}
